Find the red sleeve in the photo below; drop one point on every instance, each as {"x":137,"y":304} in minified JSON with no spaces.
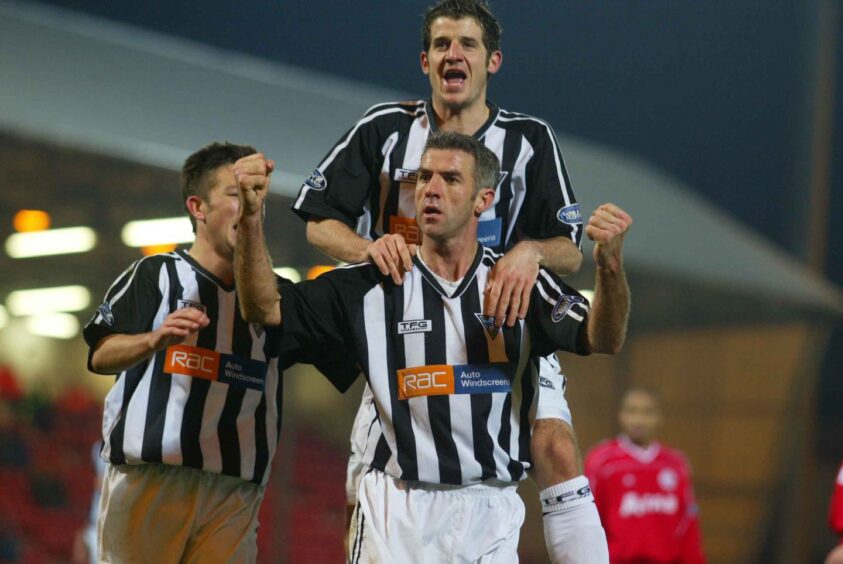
{"x":835,"y":514}
{"x":691,"y":543}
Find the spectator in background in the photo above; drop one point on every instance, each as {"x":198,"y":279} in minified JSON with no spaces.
{"x":835,"y":519}
{"x":643,"y":489}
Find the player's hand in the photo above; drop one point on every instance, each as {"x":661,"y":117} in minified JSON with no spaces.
{"x":508,"y":289}
{"x":253,"y":175}
{"x":178,"y":326}
{"x":607,"y":227}
{"x":392,"y":255}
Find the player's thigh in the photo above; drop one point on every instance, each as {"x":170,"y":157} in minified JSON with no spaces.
{"x":227,"y":523}
{"x":146,"y":513}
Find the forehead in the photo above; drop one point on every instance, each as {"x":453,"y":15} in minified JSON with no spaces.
{"x":444,"y":26}
{"x":639,"y":400}
{"x":440,"y":160}
{"x":221,"y":178}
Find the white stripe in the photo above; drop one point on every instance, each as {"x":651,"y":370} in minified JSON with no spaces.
{"x":135,"y":425}
{"x":566,"y":190}
{"x":428,"y":465}
{"x":344,"y":143}
{"x":180,"y":387}
{"x":373,"y":318}
{"x":462,"y":423}
{"x":519,"y":184}
{"x":272,"y":414}
{"x":111,"y":411}
{"x":209,"y":441}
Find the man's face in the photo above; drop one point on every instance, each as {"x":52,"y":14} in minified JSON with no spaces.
{"x":639,"y":417}
{"x":445,"y":199}
{"x":221,"y":209}
{"x":457,"y":62}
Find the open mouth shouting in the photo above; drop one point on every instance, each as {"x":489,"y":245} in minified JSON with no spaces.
{"x":454,"y":79}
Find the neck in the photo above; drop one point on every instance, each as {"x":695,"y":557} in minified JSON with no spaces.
{"x":449,"y":259}
{"x":462,"y":120}
{"x":212,"y":261}
{"x":643,"y":443}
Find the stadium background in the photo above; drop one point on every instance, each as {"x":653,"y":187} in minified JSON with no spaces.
{"x":714,"y":124}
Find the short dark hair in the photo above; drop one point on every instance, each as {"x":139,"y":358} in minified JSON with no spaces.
{"x":459,"y":9}
{"x":487,"y":170}
{"x":198,"y":169}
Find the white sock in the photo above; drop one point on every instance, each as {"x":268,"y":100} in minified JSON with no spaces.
{"x":572,"y":530}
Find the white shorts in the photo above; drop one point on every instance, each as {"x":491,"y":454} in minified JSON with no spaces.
{"x":409,"y":522}
{"x":160,"y":513}
{"x":550,"y":402}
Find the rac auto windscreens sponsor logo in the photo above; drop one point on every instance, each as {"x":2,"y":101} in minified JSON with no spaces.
{"x":406,"y":227}
{"x":637,"y":505}
{"x":570,"y":215}
{"x":316,"y":180}
{"x":233,"y":370}
{"x":563,"y":306}
{"x":446,"y":379}
{"x":414,"y":326}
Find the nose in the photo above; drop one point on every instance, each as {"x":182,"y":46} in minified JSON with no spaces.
{"x":454,"y":51}
{"x":433,"y":187}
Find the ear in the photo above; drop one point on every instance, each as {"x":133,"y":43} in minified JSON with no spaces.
{"x":483,"y":201}
{"x":495,"y":62}
{"x":425,"y":63}
{"x":196,"y":207}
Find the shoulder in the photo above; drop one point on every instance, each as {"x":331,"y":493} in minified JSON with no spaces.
{"x":533,"y":128}
{"x":676,"y":458}
{"x":601,"y":452}
{"x":388,"y":111}
{"x":356,"y":277}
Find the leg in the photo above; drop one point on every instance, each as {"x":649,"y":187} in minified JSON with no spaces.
{"x":572,"y":528}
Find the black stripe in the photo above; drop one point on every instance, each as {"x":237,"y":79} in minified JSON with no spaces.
{"x":241,"y":345}
{"x":405,"y":441}
{"x":191,"y":424}
{"x":512,"y":343}
{"x":511,"y":148}
{"x":261,"y":441}
{"x":160,"y":384}
{"x":358,"y":538}
{"x":439,"y":407}
{"x":477,"y":350}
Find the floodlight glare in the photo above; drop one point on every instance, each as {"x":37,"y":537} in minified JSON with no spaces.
{"x":51,"y":242}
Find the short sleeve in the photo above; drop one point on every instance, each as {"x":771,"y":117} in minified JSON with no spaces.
{"x":550,"y":207}
{"x":340,"y":186}
{"x":557,"y":317}
{"x":129,"y":305}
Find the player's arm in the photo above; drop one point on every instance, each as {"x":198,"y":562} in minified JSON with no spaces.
{"x":257,"y":289}
{"x":118,"y":352}
{"x":390,"y":253}
{"x":507,"y":293}
{"x":551,"y":220}
{"x":691,"y":547}
{"x":609,"y":314}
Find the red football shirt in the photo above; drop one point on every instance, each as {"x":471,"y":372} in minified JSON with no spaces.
{"x":646,"y":502}
{"x":835,"y":514}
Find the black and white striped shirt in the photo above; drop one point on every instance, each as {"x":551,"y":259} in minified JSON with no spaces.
{"x":211,"y":403}
{"x":452,"y":394}
{"x":368,"y":178}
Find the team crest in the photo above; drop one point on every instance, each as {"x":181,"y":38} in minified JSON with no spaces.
{"x":563,"y":306}
{"x":105,"y":311}
{"x":258,"y":329}
{"x":190,"y":303}
{"x":316,"y":180}
{"x":668,"y":480}
{"x":488,"y":323}
{"x":504,"y":174}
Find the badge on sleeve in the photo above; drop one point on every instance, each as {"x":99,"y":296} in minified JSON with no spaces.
{"x":570,"y":215}
{"x":316,"y":180}
{"x":563,"y":307}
